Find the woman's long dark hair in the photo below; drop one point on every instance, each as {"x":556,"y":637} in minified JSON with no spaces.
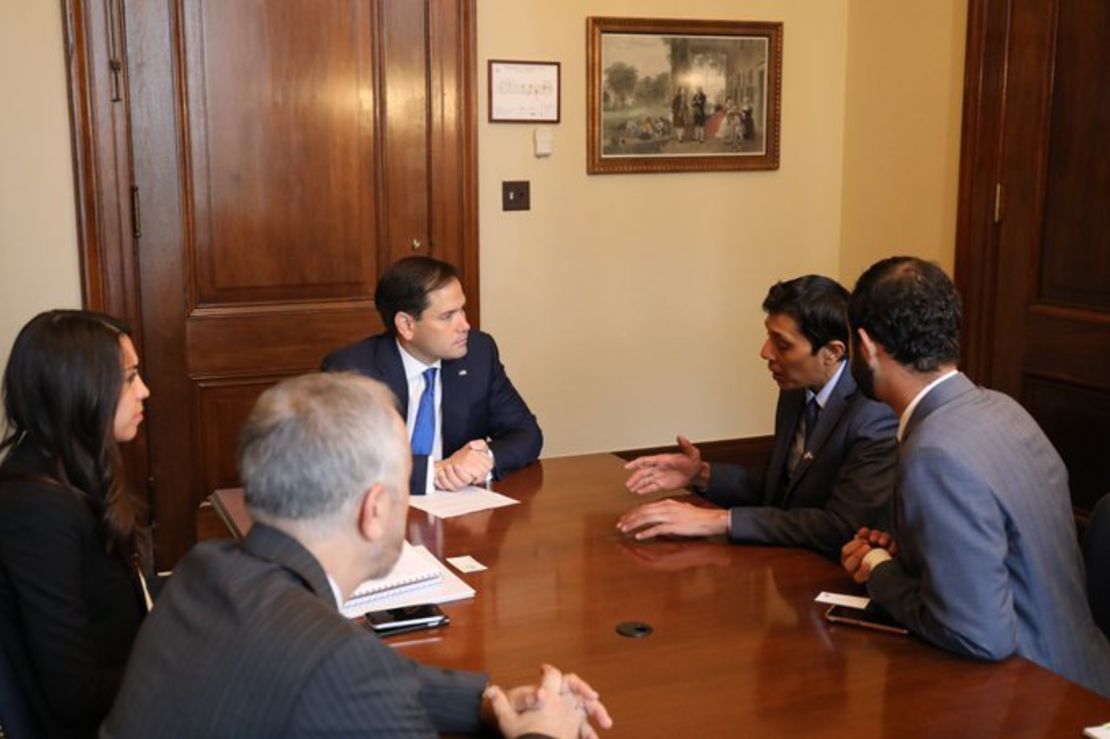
{"x":61,"y":390}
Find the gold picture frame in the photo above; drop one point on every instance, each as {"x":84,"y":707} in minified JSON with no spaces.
{"x":668,"y":95}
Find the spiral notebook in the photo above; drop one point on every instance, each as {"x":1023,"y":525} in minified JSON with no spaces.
{"x":415,"y":568}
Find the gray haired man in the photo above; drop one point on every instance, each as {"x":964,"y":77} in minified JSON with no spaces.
{"x":246,"y":639}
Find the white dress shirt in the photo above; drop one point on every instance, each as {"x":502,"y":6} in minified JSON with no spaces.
{"x":904,"y":419}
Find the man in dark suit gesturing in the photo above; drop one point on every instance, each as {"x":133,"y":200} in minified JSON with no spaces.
{"x":832,"y":466}
{"x":464,"y":417}
{"x":983,"y":559}
{"x":247,"y":640}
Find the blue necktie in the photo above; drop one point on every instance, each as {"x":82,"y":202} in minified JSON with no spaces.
{"x":424,"y":430}
{"x":423,"y":434}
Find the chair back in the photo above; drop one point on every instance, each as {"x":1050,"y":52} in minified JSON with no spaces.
{"x":1096,"y":555}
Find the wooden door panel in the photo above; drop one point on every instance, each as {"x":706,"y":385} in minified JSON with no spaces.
{"x":283,"y":151}
{"x":1038,"y":277}
{"x":453,"y":201}
{"x":225,"y":404}
{"x":1072,"y":415}
{"x":280,"y":101}
{"x":405,"y":124}
{"x":263,"y":339}
{"x":1076,"y":245}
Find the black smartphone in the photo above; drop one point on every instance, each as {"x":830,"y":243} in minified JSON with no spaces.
{"x":871,"y":617}
{"x":409,"y":618}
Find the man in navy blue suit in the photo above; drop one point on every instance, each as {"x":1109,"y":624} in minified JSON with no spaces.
{"x":465,"y":419}
{"x":832,"y":466}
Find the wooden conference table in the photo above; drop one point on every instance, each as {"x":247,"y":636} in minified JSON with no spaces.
{"x":739,"y":648}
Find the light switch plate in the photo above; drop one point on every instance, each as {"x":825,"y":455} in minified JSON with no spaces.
{"x":515,"y":195}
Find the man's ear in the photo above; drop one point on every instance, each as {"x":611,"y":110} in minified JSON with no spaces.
{"x":404,"y":324}
{"x":868,"y":349}
{"x":372,"y":513}
{"x":836,"y":349}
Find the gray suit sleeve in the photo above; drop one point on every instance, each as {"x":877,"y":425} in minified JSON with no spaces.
{"x":365,"y":688}
{"x":860,"y":496}
{"x":957,"y":592}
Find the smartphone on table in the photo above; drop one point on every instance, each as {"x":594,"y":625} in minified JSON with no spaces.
{"x":871,"y":617}
{"x":404,"y":620}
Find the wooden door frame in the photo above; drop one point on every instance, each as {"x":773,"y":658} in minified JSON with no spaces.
{"x":976,"y":258}
{"x":107,"y":222}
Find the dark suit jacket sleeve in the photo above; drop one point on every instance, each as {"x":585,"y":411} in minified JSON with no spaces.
{"x":43,"y":562}
{"x":860,"y":495}
{"x":733,"y":485}
{"x":398,"y":698}
{"x":515,"y":436}
{"x":960,"y":597}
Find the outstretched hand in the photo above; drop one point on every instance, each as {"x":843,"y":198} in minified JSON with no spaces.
{"x":667,"y":471}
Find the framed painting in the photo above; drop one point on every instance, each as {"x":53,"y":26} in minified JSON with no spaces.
{"x":666,"y":95}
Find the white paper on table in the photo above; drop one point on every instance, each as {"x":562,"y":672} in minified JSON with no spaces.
{"x":840,"y":599}
{"x":466,"y":563}
{"x":449,"y":587}
{"x":469,"y":499}
{"x":1097,"y":732}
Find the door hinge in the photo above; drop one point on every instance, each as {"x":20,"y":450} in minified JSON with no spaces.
{"x":115,"y":65}
{"x":999,"y":202}
{"x":136,"y":214}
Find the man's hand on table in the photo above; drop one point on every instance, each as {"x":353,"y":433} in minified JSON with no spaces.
{"x":672,"y":518}
{"x":561,"y":706}
{"x":470,"y":465}
{"x":857,"y":558}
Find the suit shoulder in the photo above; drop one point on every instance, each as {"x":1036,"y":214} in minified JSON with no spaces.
{"x":356,"y":357}
{"x":481,"y":341}
{"x":872,"y":413}
{"x":32,"y":503}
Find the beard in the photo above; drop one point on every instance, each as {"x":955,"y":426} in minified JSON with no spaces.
{"x":863,"y":375}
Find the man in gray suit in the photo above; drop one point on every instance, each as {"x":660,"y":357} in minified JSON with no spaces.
{"x":832,"y":465}
{"x":983,"y":558}
{"x":247,"y":640}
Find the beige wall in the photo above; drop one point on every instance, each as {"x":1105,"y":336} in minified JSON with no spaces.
{"x":38,"y":232}
{"x":626,"y":306}
{"x":903,"y":102}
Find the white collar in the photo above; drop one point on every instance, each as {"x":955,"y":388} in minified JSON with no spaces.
{"x":413,"y":366}
{"x":826,"y":390}
{"x":905,"y":419}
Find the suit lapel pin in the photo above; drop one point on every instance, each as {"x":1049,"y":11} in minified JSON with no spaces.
{"x":462,"y":373}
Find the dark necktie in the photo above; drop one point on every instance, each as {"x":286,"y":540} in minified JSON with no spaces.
{"x":813,"y":410}
{"x":802,"y":433}
{"x":423,"y":434}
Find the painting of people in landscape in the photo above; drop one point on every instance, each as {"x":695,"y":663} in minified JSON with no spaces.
{"x":679,"y":101}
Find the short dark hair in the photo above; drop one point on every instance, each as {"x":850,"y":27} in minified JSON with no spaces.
{"x":818,"y":305}
{"x":61,"y":389}
{"x":404,"y":287}
{"x":910,"y":307}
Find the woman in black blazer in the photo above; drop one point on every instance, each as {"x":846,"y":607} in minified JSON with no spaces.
{"x":71,"y":591}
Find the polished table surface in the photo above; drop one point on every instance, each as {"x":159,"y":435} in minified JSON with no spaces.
{"x":738,"y":647}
